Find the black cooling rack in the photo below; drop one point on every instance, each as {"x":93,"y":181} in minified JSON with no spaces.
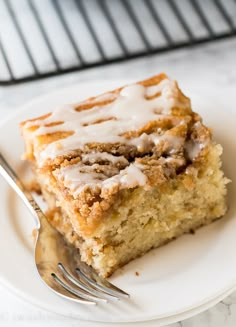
{"x":51,"y":37}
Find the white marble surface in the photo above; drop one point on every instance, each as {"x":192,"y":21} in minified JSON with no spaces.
{"x":212,"y":64}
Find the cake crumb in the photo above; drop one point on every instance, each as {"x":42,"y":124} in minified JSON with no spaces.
{"x":34,"y":234}
{"x":136,"y":273}
{"x":33,"y":186}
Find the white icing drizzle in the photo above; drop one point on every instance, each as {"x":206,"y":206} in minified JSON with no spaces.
{"x":179,"y":161}
{"x":75,"y":177}
{"x":145,"y":142}
{"x":131,"y":110}
{"x":193,"y":149}
{"x":158,"y":88}
{"x":104,"y":156}
{"x":79,"y":177}
{"x":129,"y":177}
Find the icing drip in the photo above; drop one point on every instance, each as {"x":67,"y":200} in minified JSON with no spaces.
{"x":193,"y":149}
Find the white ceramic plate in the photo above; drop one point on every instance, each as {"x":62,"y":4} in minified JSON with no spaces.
{"x":181,"y":276}
{"x":163,"y":321}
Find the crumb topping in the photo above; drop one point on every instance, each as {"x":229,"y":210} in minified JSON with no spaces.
{"x":138,"y":135}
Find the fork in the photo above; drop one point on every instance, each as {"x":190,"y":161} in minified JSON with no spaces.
{"x":58,"y":263}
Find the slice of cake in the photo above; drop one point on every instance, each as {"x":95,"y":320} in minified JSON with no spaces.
{"x":126,"y":171}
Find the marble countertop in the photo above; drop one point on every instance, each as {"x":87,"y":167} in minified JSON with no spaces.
{"x":212,"y":64}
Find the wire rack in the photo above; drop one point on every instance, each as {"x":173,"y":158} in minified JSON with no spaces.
{"x":51,"y":37}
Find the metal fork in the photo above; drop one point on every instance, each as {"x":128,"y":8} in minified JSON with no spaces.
{"x":58,"y":263}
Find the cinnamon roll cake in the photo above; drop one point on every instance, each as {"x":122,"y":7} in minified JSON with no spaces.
{"x":126,"y":171}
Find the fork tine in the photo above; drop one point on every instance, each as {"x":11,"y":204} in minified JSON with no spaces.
{"x":107,"y":285}
{"x":81,"y":298}
{"x":82,"y":295}
{"x":88,"y":290}
{"x":103,"y":285}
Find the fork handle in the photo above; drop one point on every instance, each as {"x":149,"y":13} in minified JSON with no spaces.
{"x":11,"y":177}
